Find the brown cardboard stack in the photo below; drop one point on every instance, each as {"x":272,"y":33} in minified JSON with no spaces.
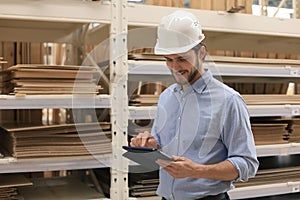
{"x":171,"y":3}
{"x":295,"y":130}
{"x":268,"y":133}
{"x":144,"y":188}
{"x":9,"y":184}
{"x":50,"y":79}
{"x":56,"y":140}
{"x":254,"y":99}
{"x":272,"y":99}
{"x":143,"y":100}
{"x":59,"y":188}
{"x":242,"y":6}
{"x":273,"y":176}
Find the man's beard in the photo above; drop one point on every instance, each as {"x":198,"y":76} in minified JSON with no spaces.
{"x":183,"y":81}
{"x":190,"y":78}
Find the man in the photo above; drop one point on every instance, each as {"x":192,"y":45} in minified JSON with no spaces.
{"x":200,"y":121}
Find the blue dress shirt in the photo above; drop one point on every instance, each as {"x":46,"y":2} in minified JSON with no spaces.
{"x":208,"y":123}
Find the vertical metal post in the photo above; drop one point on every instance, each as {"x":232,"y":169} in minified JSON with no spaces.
{"x":296,"y":6}
{"x":119,"y":99}
{"x":264,"y":5}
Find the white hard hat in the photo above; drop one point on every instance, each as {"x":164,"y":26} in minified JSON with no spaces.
{"x":178,"y":32}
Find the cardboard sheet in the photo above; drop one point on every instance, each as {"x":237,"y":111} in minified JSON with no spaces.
{"x":57,"y":140}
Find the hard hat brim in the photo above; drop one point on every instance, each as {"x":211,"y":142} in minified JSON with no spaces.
{"x":175,"y":50}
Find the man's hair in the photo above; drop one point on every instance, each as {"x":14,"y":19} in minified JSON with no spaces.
{"x":197,"y":48}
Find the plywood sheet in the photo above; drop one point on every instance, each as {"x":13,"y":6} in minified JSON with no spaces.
{"x":57,"y":140}
{"x":13,"y":180}
{"x":41,"y":79}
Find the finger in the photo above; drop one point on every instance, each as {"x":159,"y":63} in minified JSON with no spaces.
{"x":134,"y":142}
{"x":177,"y":158}
{"x":144,"y":141}
{"x":163,"y":163}
{"x":144,"y":138}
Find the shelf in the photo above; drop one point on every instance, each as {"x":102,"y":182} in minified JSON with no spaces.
{"x":148,"y":112}
{"x":229,"y":30}
{"x":157,"y":70}
{"x":54,"y":164}
{"x":273,"y":110}
{"x":48,"y":20}
{"x":54,"y":101}
{"x":142,"y":112}
{"x":264,"y":190}
{"x":53,"y":20}
{"x":253,"y":191}
{"x":278,"y":149}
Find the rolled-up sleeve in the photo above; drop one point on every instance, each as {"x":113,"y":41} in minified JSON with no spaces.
{"x":238,"y":138}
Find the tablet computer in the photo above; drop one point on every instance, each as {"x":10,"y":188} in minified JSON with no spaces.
{"x":145,"y":156}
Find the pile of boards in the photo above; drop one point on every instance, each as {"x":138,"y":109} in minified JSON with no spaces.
{"x":29,"y":79}
{"x":9,"y":184}
{"x":56,"y":140}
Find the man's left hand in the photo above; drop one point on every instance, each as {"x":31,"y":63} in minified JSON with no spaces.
{"x":181,"y":167}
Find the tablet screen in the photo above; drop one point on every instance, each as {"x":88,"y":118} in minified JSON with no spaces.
{"x":146,"y":156}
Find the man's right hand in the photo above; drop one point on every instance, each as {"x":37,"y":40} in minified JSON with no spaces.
{"x":144,"y":139}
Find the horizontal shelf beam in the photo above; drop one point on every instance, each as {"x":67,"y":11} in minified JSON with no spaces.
{"x":153,"y":68}
{"x":264,"y":190}
{"x":55,"y":163}
{"x":49,"y":20}
{"x":54,"y":101}
{"x":148,"y":112}
{"x":56,"y":11}
{"x":278,"y":149}
{"x":274,"y":110}
{"x":142,"y":112}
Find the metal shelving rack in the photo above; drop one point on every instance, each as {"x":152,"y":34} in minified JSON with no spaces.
{"x":54,"y":21}
{"x":141,"y":70}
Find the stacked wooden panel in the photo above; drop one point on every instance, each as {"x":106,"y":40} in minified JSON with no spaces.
{"x":56,"y":140}
{"x":270,"y":133}
{"x":9,"y":184}
{"x":242,"y":6}
{"x":59,"y":188}
{"x":295,"y":130}
{"x":271,"y":99}
{"x":171,"y":3}
{"x":50,"y":80}
{"x":272,"y":176}
{"x":144,"y":187}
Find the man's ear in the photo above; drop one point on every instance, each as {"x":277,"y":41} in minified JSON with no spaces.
{"x":202,"y":52}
